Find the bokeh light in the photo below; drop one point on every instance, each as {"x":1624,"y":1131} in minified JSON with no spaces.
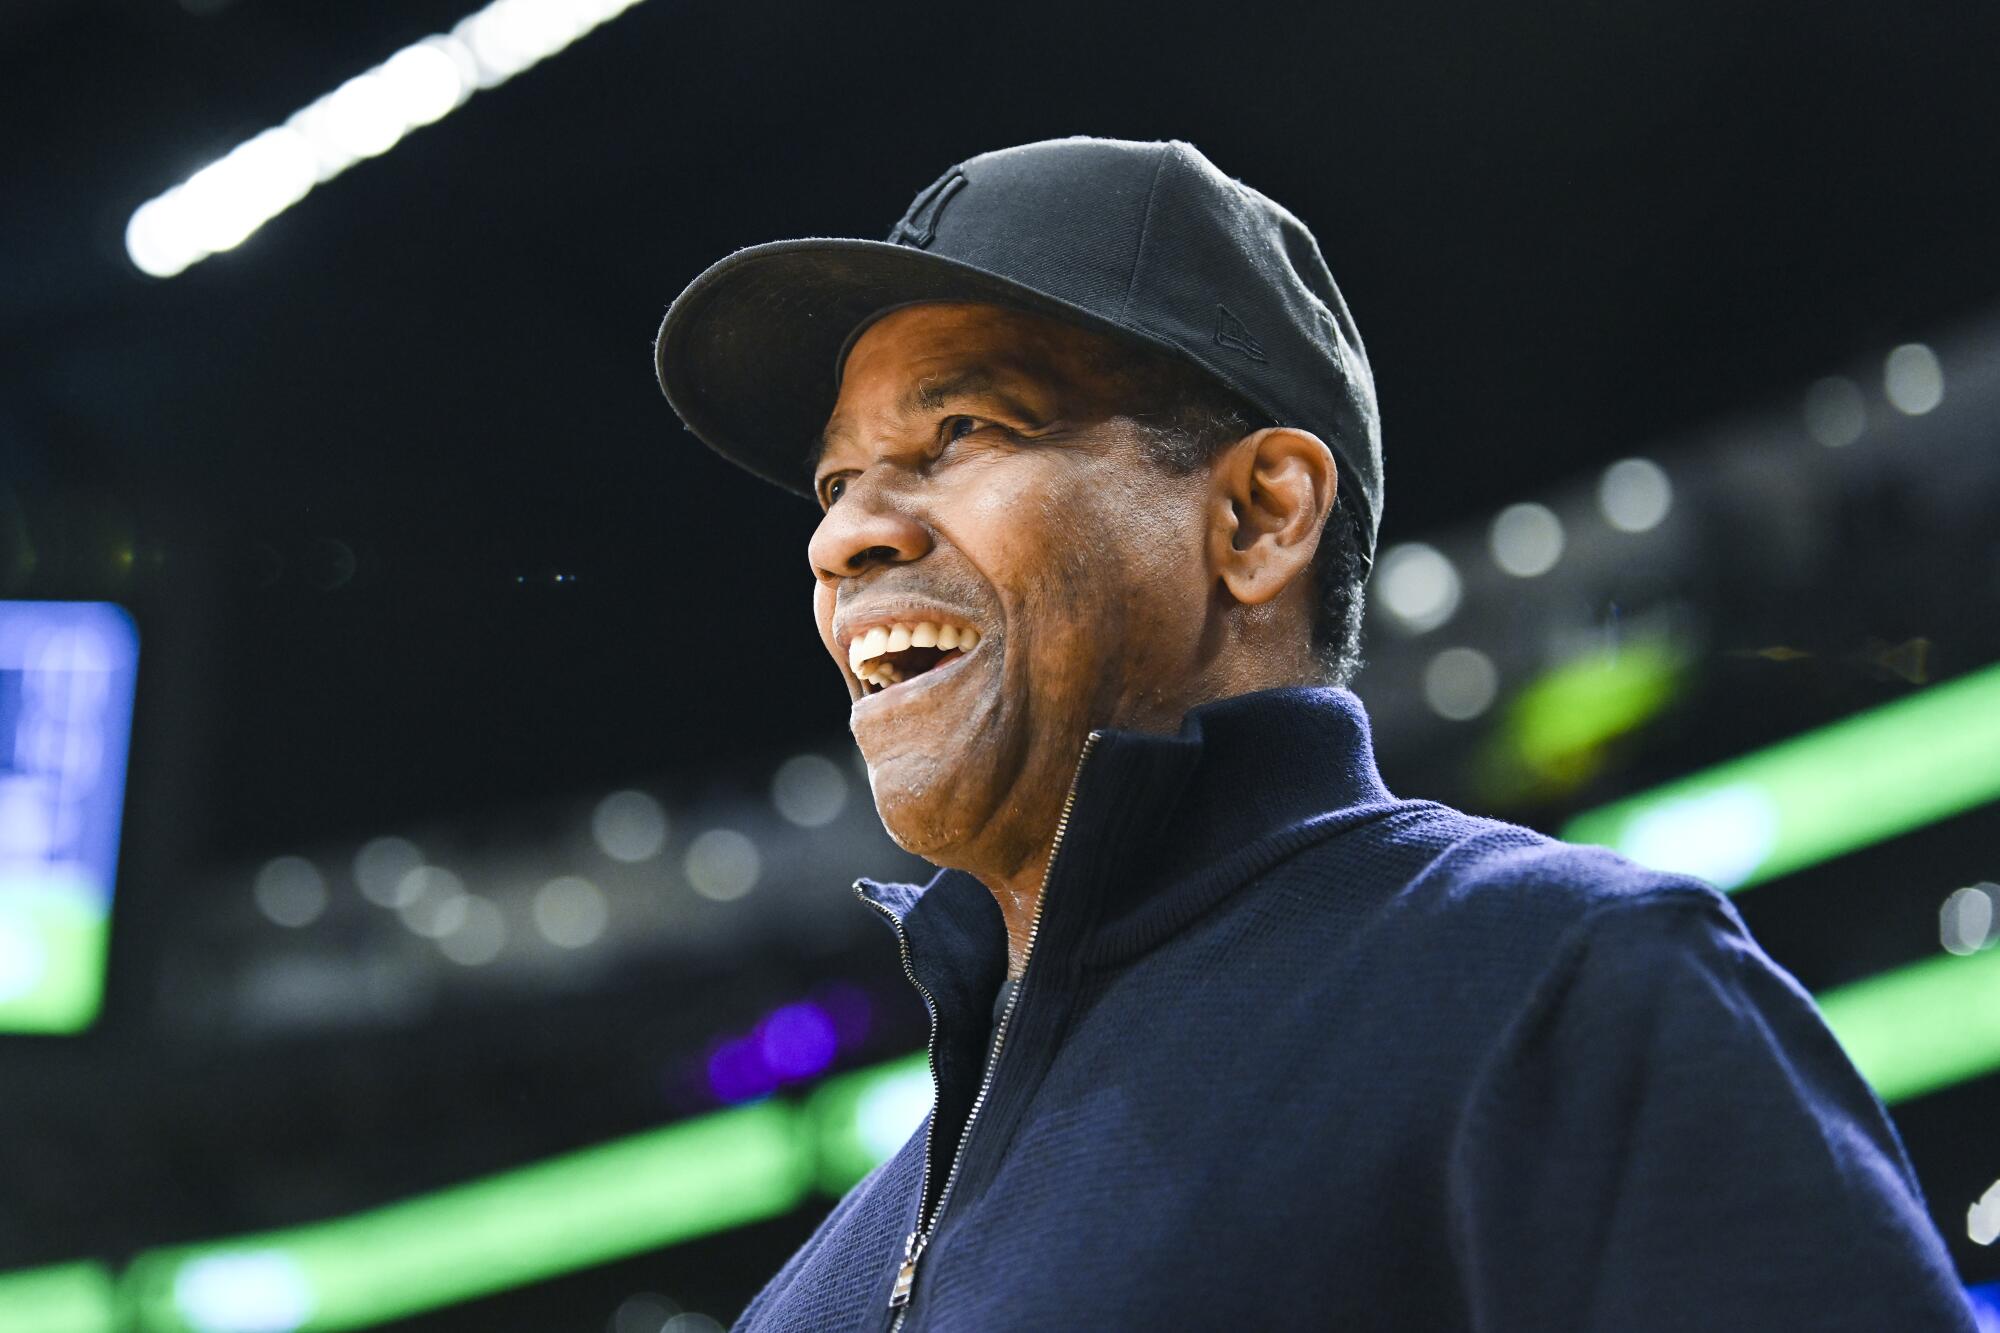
{"x":1965,"y":921}
{"x":723,"y":865}
{"x":737,"y":1072}
{"x":431,"y":901}
{"x":290,"y":891}
{"x":797,"y":1041}
{"x":629,"y":826}
{"x":1461,"y":683}
{"x":1836,"y":413}
{"x":1526,"y":540}
{"x":691,"y":1322}
{"x":570,"y":912}
{"x":382,"y":867}
{"x":1417,"y":586}
{"x":478,"y":936}
{"x":809,"y":790}
{"x":1912,"y":379}
{"x":1634,"y":495}
{"x":643,"y":1312}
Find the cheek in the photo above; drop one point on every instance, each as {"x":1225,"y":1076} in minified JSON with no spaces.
{"x":822,"y":605}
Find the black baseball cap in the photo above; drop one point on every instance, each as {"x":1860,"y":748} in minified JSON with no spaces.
{"x":1144,"y":241}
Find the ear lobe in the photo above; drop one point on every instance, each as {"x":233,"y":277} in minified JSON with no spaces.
{"x":1275,"y":488}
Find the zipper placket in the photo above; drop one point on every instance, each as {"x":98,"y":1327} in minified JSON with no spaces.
{"x":914,"y":1243}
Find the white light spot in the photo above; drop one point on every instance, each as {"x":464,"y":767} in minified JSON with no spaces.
{"x":888,"y":1113}
{"x":160,"y":238}
{"x":227,"y":200}
{"x":691,"y":1323}
{"x":1835,"y":412}
{"x":1721,"y":836}
{"x":1982,"y":1220}
{"x":1634,"y":495}
{"x":629,"y":826}
{"x":356,"y":120}
{"x":571,"y":912}
{"x":24,"y":954}
{"x":431,"y":901}
{"x":1965,"y":922}
{"x":1417,"y":585}
{"x":290,"y":891}
{"x":809,"y":790}
{"x":258,"y":1291}
{"x":381,"y":868}
{"x":1912,"y":379}
{"x":723,"y":864}
{"x":1461,"y":683}
{"x":479,"y":935}
{"x":1526,"y":540}
{"x":421,"y":83}
{"x":645,"y":1312}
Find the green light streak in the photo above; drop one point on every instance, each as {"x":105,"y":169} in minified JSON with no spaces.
{"x":68,"y":1298}
{"x":1558,"y":721}
{"x":1921,"y":1027}
{"x":859,"y":1119}
{"x":521,"y":1226}
{"x":1817,"y":796}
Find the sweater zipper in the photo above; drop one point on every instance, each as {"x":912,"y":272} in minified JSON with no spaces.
{"x":914,"y":1243}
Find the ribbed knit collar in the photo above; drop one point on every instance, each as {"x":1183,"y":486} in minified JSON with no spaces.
{"x":1162,"y":828}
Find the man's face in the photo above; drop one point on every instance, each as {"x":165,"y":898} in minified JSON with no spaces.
{"x":977,"y":475}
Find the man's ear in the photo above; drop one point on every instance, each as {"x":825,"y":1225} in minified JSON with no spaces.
{"x":1271,"y":492}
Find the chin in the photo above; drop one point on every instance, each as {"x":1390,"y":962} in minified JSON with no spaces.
{"x":924,"y":813}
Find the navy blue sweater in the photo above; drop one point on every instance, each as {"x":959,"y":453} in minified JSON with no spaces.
{"x":1293,"y":1053}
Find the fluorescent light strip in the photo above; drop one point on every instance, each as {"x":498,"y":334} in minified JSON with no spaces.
{"x":67,"y":1298}
{"x":218,"y":207}
{"x":1921,"y":1027}
{"x":1860,"y":781}
{"x":457,"y":1244}
{"x":1910,"y":1031}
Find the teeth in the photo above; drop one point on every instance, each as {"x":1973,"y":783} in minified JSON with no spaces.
{"x":866,"y":648}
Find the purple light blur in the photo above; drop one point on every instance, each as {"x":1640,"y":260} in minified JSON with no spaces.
{"x":737,"y":1072}
{"x":851,"y":1011}
{"x":797,"y":1041}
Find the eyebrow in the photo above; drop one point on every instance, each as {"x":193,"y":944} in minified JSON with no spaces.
{"x":974,"y":381}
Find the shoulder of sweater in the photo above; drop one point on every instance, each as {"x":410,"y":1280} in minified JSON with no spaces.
{"x":1449,"y":868}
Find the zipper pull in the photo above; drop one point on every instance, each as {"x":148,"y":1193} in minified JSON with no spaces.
{"x":906,"y":1276}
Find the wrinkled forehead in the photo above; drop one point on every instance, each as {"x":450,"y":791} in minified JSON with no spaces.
{"x":916,"y":359}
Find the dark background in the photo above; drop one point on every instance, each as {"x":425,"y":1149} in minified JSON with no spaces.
{"x":1567,"y":231}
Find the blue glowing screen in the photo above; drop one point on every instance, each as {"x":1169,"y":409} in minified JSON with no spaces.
{"x":68,"y":671}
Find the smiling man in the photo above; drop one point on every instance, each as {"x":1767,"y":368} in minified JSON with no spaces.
{"x":1223,"y":1033}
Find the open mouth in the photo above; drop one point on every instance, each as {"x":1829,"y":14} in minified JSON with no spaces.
{"x":889,"y":655}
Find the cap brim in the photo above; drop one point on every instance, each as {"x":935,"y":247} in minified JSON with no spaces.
{"x":748,"y":355}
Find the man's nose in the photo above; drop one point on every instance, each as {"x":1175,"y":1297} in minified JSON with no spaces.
{"x":871,"y":524}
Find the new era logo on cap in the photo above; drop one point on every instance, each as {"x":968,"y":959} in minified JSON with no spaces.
{"x":918,"y":227}
{"x":1229,"y":332}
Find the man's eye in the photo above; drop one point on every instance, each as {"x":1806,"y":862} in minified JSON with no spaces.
{"x":834,"y":489}
{"x":958,"y":427}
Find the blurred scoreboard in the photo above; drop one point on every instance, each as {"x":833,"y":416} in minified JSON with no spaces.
{"x":68,"y":671}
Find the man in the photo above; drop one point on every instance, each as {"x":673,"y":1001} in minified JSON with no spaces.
{"x":1224,"y":1034}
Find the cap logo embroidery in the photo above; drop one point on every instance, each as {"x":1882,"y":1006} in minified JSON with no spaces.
{"x":918,"y":227}
{"x":1230,"y":332}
